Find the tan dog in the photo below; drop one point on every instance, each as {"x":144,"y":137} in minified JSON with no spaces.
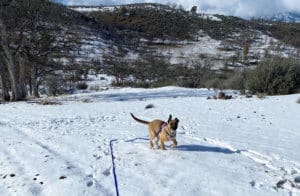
{"x":163,"y":131}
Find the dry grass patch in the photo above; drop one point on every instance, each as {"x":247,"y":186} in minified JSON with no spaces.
{"x":49,"y":102}
{"x":261,"y":95}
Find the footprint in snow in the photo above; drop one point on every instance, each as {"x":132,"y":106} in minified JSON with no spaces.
{"x":36,"y":175}
{"x":106,"y":172}
{"x":89,"y":183}
{"x":70,"y":167}
{"x":89,"y":178}
{"x":62,"y":177}
{"x":252,"y":183}
{"x":97,"y":157}
{"x":35,"y":179}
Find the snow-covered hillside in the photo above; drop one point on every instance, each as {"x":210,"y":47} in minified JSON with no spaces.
{"x":92,"y":8}
{"x":219,"y":52}
{"x":234,"y":147}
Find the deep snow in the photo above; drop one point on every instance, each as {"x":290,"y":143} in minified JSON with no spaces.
{"x":225,"y":147}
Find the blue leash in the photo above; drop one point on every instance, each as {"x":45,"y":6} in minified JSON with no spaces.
{"x":113,"y":159}
{"x":138,"y":138}
{"x":114,"y":167}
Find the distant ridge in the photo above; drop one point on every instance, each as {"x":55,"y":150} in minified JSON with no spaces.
{"x":293,"y":17}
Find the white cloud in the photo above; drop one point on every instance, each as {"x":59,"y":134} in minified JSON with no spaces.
{"x":242,"y":8}
{"x":292,"y":5}
{"x":248,"y":8}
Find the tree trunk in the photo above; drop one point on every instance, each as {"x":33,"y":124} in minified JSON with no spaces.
{"x":3,"y":85}
{"x":3,"y":82}
{"x":34,"y":85}
{"x":17,"y":85}
{"x":21,"y":77}
{"x":16,"y":73}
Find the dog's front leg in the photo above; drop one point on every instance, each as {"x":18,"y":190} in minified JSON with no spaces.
{"x":162,"y":144}
{"x":174,"y":143}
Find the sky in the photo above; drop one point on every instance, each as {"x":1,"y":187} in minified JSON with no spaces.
{"x":241,"y":8}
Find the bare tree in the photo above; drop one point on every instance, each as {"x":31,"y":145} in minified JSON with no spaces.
{"x":14,"y":63}
{"x":194,"y":9}
{"x":4,"y":85}
{"x":32,"y":36}
{"x":118,"y":64}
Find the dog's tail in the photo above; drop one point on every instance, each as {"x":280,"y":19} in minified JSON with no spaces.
{"x":139,"y":120}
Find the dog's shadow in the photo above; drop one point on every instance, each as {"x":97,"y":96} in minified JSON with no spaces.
{"x":201,"y":148}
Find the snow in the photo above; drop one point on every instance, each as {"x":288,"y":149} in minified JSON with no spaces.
{"x":265,"y":44}
{"x":94,"y":9}
{"x":225,"y":147}
{"x":99,"y":82}
{"x":193,"y":51}
{"x":210,"y":17}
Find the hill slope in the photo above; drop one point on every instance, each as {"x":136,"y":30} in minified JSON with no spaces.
{"x":181,"y":35}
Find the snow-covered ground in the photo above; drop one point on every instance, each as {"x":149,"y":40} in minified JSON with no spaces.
{"x":225,"y":147}
{"x":193,"y":50}
{"x":94,"y":8}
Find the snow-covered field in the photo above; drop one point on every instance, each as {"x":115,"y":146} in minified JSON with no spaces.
{"x":225,"y":147}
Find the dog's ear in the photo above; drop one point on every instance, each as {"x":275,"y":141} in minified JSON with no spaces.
{"x":170,"y":118}
{"x":177,"y":120}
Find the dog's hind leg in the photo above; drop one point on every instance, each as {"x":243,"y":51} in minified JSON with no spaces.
{"x":151,"y":137}
{"x":151,"y":144}
{"x":156,"y":143}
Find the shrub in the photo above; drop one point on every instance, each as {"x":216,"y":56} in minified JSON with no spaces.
{"x":95,"y":87}
{"x":162,"y":83}
{"x":237,"y":81}
{"x":187,"y":82}
{"x":221,"y":95}
{"x":82,"y":86}
{"x":86,"y":100}
{"x":215,"y":83}
{"x":136,"y":84}
{"x":48,"y":102}
{"x":261,"y":95}
{"x":54,"y":84}
{"x":274,"y":76}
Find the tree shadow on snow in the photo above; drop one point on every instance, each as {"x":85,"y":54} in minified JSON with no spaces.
{"x":200,"y":148}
